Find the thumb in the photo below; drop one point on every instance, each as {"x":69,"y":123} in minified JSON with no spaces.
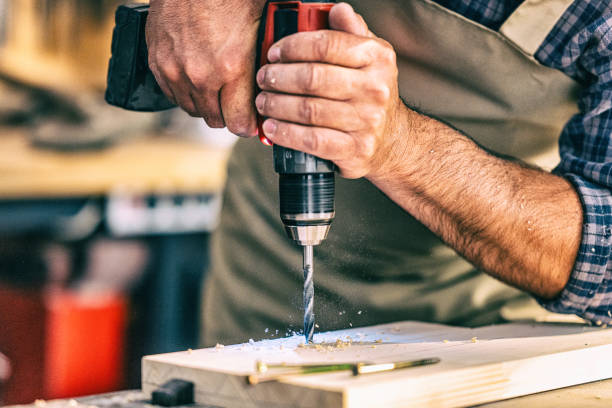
{"x":342,"y":17}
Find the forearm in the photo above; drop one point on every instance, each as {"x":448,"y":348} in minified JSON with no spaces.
{"x":519,"y":224}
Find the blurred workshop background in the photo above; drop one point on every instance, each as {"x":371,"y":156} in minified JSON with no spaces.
{"x":104,"y":214}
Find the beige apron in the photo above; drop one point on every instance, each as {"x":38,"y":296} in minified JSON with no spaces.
{"x":379,"y":264}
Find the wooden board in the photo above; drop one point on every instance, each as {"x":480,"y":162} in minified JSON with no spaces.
{"x":477,"y":366}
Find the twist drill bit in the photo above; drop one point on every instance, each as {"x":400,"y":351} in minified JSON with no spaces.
{"x":308,"y":294}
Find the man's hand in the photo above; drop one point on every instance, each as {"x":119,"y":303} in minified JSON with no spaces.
{"x":334,"y":94}
{"x":202,"y":54}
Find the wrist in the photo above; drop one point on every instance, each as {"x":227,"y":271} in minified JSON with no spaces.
{"x":402,"y":148}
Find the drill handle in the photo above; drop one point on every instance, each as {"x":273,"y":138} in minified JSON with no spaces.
{"x":130,"y":83}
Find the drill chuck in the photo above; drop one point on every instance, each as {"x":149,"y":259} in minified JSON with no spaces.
{"x":306,"y":182}
{"x":306,"y":194}
{"x":307,"y":206}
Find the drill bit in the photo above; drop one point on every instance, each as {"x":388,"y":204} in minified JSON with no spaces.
{"x":308,"y":294}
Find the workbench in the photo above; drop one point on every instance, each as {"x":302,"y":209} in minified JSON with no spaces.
{"x":160,"y":164}
{"x":593,"y":395}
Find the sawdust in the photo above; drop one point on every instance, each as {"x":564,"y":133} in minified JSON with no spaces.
{"x":338,"y":345}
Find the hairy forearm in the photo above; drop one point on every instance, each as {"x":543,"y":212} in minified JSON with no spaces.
{"x":519,"y":224}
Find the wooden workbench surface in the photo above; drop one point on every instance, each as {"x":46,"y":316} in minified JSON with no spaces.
{"x":143,"y":165}
{"x":592,"y":395}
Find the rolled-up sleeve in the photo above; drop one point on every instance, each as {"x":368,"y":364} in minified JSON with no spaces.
{"x":588,"y":292}
{"x":581,"y":46}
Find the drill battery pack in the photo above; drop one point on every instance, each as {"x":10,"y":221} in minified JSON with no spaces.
{"x":130,"y":83}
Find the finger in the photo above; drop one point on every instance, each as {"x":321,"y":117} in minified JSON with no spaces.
{"x":238,"y":107}
{"x":182,"y":93}
{"x":322,"y":142}
{"x":309,"y":111}
{"x":331,"y":47}
{"x":208,"y":107}
{"x":342,"y":17}
{"x":322,"y":80}
{"x":161,"y":81}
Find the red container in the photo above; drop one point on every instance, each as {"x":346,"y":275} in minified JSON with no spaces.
{"x":85,"y":344}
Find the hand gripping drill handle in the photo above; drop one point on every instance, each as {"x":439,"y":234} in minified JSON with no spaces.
{"x":306,"y":182}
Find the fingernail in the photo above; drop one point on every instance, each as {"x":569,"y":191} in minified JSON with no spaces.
{"x":269,"y":127}
{"x":260,"y":102}
{"x":260,"y":77}
{"x":274,"y":54}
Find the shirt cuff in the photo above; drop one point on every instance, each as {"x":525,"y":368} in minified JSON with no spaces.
{"x":586,"y":293}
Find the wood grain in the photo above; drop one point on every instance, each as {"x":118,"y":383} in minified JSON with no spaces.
{"x":478,"y":366}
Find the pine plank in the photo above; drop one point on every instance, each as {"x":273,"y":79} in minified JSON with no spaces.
{"x":502,"y":362}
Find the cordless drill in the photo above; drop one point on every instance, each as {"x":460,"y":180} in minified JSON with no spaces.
{"x":306,"y":182}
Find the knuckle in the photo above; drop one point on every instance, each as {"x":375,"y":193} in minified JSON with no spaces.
{"x":388,"y":53}
{"x":322,"y":47}
{"x":311,"y":78}
{"x":231,"y":67}
{"x":310,"y":111}
{"x":313,"y":141}
{"x":380,"y":92}
{"x":374,"y":118}
{"x":196,"y":77}
{"x":368,"y":146}
{"x":170,"y":72}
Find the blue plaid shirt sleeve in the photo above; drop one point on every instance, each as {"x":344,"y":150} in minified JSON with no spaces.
{"x":581,"y":46}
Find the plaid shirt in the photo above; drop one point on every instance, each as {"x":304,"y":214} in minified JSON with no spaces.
{"x":580,"y":45}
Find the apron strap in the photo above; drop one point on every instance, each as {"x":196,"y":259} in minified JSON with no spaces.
{"x":531,"y":22}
